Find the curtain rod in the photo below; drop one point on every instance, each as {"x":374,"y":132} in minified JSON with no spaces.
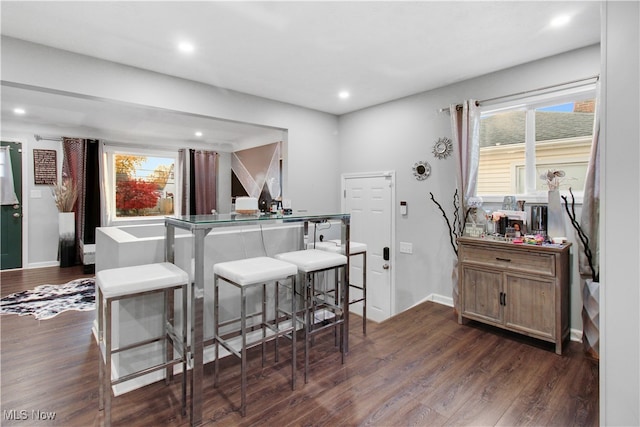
{"x":59,"y":138}
{"x":47,"y":138}
{"x":556,"y":86}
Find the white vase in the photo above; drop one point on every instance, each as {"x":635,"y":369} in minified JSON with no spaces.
{"x":455,"y":293}
{"x":591,"y":318}
{"x":555,"y":215}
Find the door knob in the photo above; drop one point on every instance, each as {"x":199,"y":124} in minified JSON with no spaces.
{"x":16,"y":215}
{"x":16,"y":206}
{"x":386,"y":266}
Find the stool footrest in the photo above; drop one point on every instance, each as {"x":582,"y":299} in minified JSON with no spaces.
{"x":234,"y":344}
{"x":146,"y":371}
{"x":250,"y":316}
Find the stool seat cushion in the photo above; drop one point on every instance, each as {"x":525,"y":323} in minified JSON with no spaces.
{"x":313,"y":259}
{"x":252,"y":271}
{"x":334,"y":246}
{"x":121,"y":281}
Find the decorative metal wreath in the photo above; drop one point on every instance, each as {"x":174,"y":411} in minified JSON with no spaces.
{"x":421,"y":170}
{"x":443,"y":148}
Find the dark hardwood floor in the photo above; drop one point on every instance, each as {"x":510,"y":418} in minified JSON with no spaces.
{"x":418,"y":368}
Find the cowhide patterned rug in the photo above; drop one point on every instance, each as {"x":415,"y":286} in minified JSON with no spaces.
{"x":47,"y":301}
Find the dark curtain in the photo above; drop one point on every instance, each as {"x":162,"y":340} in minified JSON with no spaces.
{"x":92,"y":193}
{"x":80,"y":164}
{"x":202,"y":182}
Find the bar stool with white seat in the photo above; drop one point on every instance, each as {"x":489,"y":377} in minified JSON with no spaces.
{"x":245,"y":274}
{"x":310,"y":262}
{"x":122,"y":283}
{"x":355,"y":249}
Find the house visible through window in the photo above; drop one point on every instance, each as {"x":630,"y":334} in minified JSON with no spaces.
{"x":522,"y":142}
{"x":144,"y":185}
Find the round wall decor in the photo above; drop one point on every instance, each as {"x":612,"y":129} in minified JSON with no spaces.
{"x":421,"y":170}
{"x":443,"y":148}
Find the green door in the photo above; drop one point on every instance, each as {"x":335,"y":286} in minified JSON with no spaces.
{"x":11,"y":219}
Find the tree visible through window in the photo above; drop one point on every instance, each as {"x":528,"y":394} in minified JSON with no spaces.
{"x":517,"y":145}
{"x":145,"y":185}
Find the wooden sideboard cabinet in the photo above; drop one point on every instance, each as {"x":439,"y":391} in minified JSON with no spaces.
{"x":519,"y":287}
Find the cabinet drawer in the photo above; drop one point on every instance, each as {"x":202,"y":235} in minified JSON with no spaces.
{"x":528,"y":262}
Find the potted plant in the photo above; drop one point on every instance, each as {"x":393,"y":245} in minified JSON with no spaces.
{"x":65,"y":195}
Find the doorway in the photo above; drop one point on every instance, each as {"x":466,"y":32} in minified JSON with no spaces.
{"x":369,"y":198}
{"x":11,"y":215}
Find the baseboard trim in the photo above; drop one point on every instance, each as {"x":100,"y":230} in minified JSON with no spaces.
{"x":43,"y":264}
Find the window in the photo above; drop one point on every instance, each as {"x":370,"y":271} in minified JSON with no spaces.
{"x":143,"y":183}
{"x":518,"y":143}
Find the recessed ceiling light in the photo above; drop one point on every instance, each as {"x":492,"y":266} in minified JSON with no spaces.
{"x":344,"y":94}
{"x":19,"y":111}
{"x":560,"y":20}
{"x":186,"y":47}
{"x":198,"y":133}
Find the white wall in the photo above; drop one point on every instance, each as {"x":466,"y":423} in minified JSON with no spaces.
{"x":395,"y":135}
{"x":312,"y":143}
{"x":620,"y":249}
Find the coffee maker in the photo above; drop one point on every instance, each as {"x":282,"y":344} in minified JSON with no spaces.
{"x":538,"y":220}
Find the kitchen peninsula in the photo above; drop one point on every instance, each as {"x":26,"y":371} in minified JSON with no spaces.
{"x":195,"y":244}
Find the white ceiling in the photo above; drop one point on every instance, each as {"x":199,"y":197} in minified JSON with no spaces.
{"x":304,"y":53}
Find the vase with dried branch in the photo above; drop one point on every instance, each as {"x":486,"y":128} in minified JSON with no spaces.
{"x":590,"y":288}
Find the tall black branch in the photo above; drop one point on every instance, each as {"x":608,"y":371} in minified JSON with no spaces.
{"x":452,"y":232}
{"x":584,"y":239}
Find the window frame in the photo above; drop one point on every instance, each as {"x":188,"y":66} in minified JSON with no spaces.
{"x":111,"y":151}
{"x":529,"y":105}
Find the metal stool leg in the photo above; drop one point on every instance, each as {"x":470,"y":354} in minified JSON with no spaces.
{"x":308,"y":319}
{"x":100,"y":342}
{"x":243,"y":351}
{"x":294,"y":321}
{"x":364,"y":293}
{"x":216,"y":320}
{"x":107,"y":374}
{"x":185,"y":310}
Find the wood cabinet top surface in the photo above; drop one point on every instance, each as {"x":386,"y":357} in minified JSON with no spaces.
{"x":490,"y":243}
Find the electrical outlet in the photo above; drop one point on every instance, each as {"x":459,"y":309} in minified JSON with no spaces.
{"x":406,"y":248}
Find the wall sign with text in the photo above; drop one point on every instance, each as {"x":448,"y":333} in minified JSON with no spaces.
{"x":45,"y":167}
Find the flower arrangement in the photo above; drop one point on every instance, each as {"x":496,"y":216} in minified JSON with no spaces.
{"x":65,"y":195}
{"x":553,"y":178}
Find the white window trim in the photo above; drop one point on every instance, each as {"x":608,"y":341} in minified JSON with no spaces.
{"x":530,"y":104}
{"x":111,"y":151}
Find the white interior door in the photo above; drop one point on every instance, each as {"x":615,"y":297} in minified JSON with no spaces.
{"x":369,"y":200}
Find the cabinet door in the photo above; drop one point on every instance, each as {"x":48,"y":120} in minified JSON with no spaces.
{"x":481,"y":294}
{"x":530,"y":306}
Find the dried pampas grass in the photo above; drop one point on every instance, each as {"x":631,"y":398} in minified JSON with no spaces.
{"x":65,"y":195}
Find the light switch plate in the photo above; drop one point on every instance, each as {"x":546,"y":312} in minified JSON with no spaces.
{"x":406,"y":248}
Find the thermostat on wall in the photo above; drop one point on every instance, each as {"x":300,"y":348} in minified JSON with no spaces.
{"x":403,"y":208}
